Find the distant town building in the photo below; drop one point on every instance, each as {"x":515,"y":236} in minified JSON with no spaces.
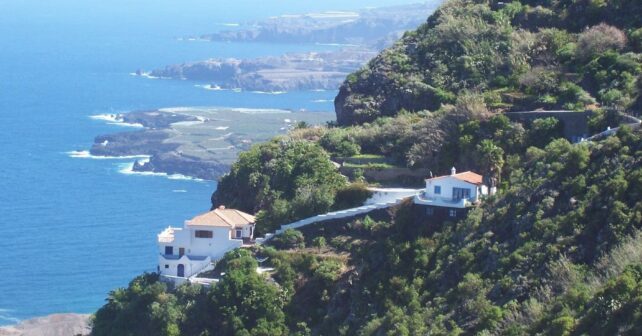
{"x":450,"y":196}
{"x":184,"y":252}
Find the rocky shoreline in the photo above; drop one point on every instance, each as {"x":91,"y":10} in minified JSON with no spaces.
{"x":289,"y":72}
{"x":360,"y":35}
{"x":196,"y":142}
{"x":51,"y":325}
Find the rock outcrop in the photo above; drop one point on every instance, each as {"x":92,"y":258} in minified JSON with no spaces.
{"x":52,"y":325}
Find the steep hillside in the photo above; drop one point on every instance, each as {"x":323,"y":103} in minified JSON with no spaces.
{"x":558,"y":253}
{"x":521,"y":55}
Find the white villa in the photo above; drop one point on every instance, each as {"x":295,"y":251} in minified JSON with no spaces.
{"x":184,"y":252}
{"x":451,"y":195}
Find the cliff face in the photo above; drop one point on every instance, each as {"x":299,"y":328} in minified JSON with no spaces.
{"x":520,"y":56}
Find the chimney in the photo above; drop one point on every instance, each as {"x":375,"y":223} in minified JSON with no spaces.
{"x":453,"y":171}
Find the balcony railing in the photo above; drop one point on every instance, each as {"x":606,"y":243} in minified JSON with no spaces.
{"x":443,"y":201}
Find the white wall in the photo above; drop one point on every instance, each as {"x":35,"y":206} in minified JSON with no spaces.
{"x":214,"y":247}
{"x":389,"y":195}
{"x":447,"y":184}
{"x":191,"y":266}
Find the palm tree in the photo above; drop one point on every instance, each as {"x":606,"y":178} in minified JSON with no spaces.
{"x":491,"y":159}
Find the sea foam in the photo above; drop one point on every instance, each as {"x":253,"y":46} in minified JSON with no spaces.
{"x":128,"y":169}
{"x":115,"y":119}
{"x":87,"y":155}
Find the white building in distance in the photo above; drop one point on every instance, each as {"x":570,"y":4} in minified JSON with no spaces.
{"x":450,"y":196}
{"x":184,"y":252}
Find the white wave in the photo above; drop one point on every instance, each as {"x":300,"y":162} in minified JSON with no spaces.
{"x":270,"y":92}
{"x":144,"y":74}
{"x":114,"y":118}
{"x":222,"y":128}
{"x":124,"y":124}
{"x":229,"y":24}
{"x":128,"y":169}
{"x":210,"y":87}
{"x":179,"y":191}
{"x":88,"y":155}
{"x":149,"y":76}
{"x":322,"y":101}
{"x":8,"y":318}
{"x":287,"y":121}
{"x":338,"y":44}
{"x":237,"y":90}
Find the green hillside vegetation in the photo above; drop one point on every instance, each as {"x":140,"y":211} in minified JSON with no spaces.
{"x":557,"y":252}
{"x":522,"y":55}
{"x":284,"y":180}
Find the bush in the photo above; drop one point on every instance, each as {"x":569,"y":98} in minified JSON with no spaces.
{"x":599,"y":39}
{"x":328,"y":271}
{"x":352,"y":196}
{"x":319,"y":242}
{"x":289,"y":239}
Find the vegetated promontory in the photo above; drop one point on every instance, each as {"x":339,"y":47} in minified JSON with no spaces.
{"x":557,"y":252}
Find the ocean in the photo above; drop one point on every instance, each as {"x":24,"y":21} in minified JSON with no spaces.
{"x":76,"y":228}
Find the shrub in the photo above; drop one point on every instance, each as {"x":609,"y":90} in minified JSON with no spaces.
{"x":599,"y":39}
{"x":328,"y":271}
{"x":289,"y":239}
{"x":319,"y":242}
{"x":351,"y":196}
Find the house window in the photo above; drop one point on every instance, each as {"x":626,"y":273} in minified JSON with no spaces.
{"x":452,"y":213}
{"x":166,"y":266}
{"x":239,"y":234}
{"x":461,"y":193}
{"x":430,"y":211}
{"x":203,"y":234}
{"x":437,"y":190}
{"x":169,"y":250}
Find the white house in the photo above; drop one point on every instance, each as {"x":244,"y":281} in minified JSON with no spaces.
{"x":184,"y":252}
{"x":452,"y":194}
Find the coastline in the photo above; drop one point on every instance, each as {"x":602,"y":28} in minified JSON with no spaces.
{"x":51,"y":325}
{"x":196,"y":143}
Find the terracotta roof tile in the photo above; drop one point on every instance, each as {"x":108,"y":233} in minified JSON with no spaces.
{"x":467,"y":176}
{"x":222,"y":217}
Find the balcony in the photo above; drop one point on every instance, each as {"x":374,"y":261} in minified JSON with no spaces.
{"x":443,"y":202}
{"x":189,"y":257}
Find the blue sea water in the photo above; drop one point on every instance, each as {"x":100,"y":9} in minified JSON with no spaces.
{"x":74,"y":229}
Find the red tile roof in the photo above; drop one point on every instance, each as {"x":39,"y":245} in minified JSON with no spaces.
{"x":467,"y":176}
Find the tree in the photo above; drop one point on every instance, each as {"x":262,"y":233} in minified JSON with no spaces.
{"x":491,"y":159}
